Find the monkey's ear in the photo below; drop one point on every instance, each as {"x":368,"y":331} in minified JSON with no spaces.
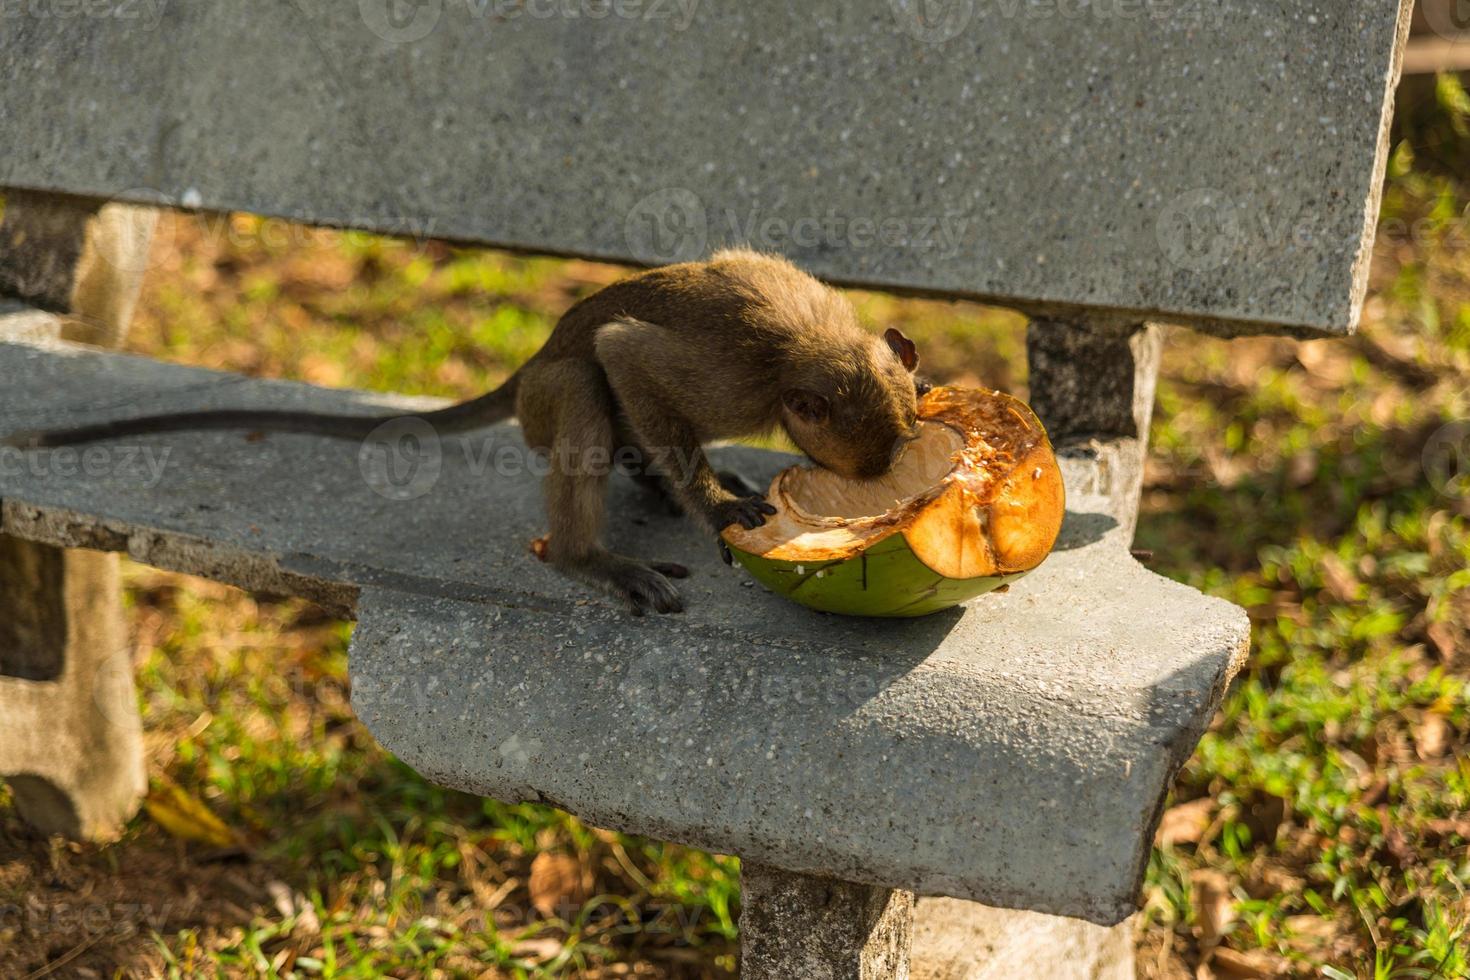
{"x":805,"y":404}
{"x":903,"y":347}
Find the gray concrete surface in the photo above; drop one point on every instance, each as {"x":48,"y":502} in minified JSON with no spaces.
{"x":816,"y":928}
{"x":1215,"y":162}
{"x":1015,"y":751}
{"x":959,"y":940}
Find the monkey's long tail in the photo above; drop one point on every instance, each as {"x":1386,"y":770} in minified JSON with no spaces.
{"x":487,"y":409}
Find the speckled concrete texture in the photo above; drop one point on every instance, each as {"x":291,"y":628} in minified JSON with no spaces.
{"x":1014,"y":751}
{"x":820,"y":929}
{"x":958,"y":940}
{"x":1215,"y":162}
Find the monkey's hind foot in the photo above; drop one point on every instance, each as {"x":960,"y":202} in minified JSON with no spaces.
{"x":643,"y":587}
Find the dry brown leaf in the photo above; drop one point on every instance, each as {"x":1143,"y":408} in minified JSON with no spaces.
{"x":1301,"y":469}
{"x":558,"y":882}
{"x":1214,"y":906}
{"x":1309,"y":929}
{"x":1254,"y":964}
{"x":1431,"y":736}
{"x":537,"y":950}
{"x":1341,"y":583}
{"x":185,"y":816}
{"x":1440,"y":830}
{"x":1187,"y":822}
{"x":1443,"y":639}
{"x":291,"y":904}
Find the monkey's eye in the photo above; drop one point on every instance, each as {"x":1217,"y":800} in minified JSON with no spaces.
{"x":922,"y":387}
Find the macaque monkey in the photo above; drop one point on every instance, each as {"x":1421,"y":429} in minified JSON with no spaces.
{"x":655,"y":366}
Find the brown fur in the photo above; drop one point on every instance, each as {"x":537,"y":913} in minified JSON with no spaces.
{"x":664,"y":362}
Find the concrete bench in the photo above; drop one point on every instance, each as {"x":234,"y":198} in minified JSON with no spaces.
{"x":1212,"y":164}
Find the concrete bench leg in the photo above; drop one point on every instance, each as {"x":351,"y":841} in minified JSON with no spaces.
{"x":958,"y":940}
{"x":70,"y":739}
{"x":1092,"y":385}
{"x":794,"y":925}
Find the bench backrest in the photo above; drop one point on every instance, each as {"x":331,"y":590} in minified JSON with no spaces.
{"x":1209,"y":162}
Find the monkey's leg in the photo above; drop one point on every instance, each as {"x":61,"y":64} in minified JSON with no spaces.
{"x":656,"y":488}
{"x":566,"y":411}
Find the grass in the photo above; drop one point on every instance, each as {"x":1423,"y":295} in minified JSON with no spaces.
{"x":1321,"y":828}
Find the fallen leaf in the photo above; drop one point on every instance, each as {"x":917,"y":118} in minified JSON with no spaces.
{"x":1263,"y":814}
{"x":1214,"y":907}
{"x":1301,"y":469}
{"x":1340,"y":582}
{"x":1396,"y":847}
{"x":292,"y":904}
{"x":1187,"y":822}
{"x":1316,"y":928}
{"x":185,"y":816}
{"x":1431,"y":736}
{"x":1440,"y":830}
{"x":536,"y":950}
{"x":1443,"y":639}
{"x":557,"y":882}
{"x":1254,"y":964}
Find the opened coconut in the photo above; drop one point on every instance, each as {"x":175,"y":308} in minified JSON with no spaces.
{"x":972,"y":504}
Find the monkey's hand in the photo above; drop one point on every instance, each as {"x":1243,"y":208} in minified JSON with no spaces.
{"x":748,"y":512}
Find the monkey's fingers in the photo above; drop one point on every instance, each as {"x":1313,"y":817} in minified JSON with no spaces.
{"x":748,"y":512}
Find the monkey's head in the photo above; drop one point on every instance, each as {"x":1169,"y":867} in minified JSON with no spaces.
{"x":857,"y":413}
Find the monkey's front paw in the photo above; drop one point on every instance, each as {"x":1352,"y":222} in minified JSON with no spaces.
{"x":645,"y":589}
{"x":748,"y":512}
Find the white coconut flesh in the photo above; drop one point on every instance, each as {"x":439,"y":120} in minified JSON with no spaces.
{"x":822,"y":497}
